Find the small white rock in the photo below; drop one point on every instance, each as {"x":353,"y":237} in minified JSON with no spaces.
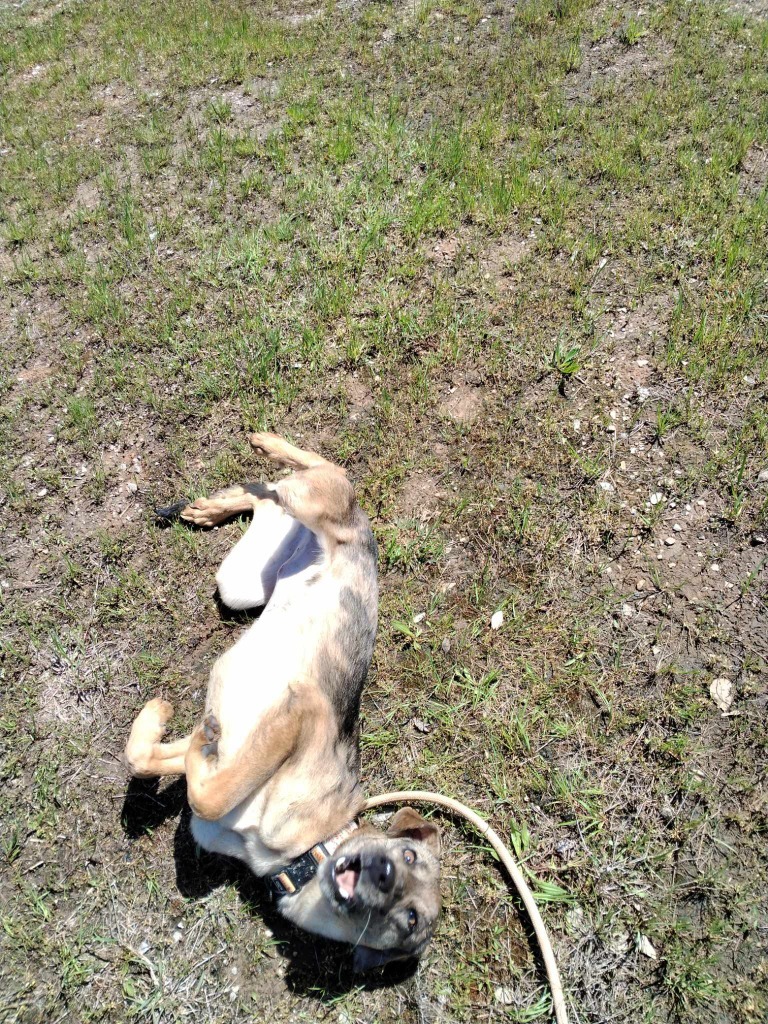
{"x":669,"y":540}
{"x":762,"y":476}
{"x":420,"y":617}
{"x":497,"y":620}
{"x":646,"y":947}
{"x":131,"y":487}
{"x":504,"y":996}
{"x":42,"y":492}
{"x":656,"y":498}
{"x":604,"y":485}
{"x":721,"y":692}
{"x":677,"y":528}
{"x":627,"y":611}
{"x":714,"y":567}
{"x":642,"y":362}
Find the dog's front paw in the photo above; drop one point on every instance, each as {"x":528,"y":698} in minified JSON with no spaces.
{"x":212,"y":733}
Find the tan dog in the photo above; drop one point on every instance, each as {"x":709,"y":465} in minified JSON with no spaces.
{"x":273,"y":769}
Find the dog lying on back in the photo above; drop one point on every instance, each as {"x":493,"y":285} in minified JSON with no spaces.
{"x":273,"y":769}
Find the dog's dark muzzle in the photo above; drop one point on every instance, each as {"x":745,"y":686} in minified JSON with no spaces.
{"x":364,"y":880}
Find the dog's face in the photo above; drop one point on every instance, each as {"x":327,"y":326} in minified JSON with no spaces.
{"x":385,"y":889}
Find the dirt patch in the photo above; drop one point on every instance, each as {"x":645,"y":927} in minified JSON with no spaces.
{"x":610,"y":64}
{"x":754,"y":170}
{"x":36,"y":372}
{"x":634,"y":336}
{"x":117,"y":96}
{"x":360,"y":399}
{"x":750,"y":8}
{"x":74,"y":680}
{"x":301,"y":18}
{"x":462,"y":403}
{"x":421,"y":495}
{"x":242,"y":106}
{"x":445,"y":250}
{"x":87,"y":195}
{"x":504,"y":255}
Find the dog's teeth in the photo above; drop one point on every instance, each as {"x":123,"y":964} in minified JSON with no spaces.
{"x":341,"y":863}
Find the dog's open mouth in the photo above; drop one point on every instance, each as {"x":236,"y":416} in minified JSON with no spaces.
{"x":346,"y":875}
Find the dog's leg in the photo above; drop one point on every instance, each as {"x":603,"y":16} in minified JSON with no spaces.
{"x":217,"y":508}
{"x":247,"y":576}
{"x":322,"y":499}
{"x":278,"y":450}
{"x":214,"y":789}
{"x":145,"y":756}
{"x":318,"y":495}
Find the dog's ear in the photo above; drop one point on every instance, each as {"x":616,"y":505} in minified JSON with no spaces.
{"x":365,"y":958}
{"x":408,"y":822}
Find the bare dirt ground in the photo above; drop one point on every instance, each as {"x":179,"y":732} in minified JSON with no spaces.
{"x":508,"y":264}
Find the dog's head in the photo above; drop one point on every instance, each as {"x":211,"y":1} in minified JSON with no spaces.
{"x":384,"y":889}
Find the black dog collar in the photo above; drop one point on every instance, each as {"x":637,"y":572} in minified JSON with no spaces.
{"x":292,"y":879}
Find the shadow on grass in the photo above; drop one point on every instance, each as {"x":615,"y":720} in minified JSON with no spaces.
{"x":318,"y":968}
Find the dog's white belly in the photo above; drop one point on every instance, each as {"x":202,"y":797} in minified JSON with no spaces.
{"x":233,"y":838}
{"x":279,"y":649}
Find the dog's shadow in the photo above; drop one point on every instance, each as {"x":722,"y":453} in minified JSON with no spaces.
{"x":318,"y":967}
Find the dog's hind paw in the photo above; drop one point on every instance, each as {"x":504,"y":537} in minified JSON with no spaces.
{"x":212,"y":733}
{"x":211,"y":728}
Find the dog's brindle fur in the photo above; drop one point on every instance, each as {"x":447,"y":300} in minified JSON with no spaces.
{"x":273,"y":769}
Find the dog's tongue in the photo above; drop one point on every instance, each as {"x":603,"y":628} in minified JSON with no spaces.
{"x":347,"y":882}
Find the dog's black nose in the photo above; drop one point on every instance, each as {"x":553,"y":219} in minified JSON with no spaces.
{"x":381,"y":872}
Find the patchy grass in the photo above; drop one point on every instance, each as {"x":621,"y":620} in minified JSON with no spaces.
{"x":509,"y":266}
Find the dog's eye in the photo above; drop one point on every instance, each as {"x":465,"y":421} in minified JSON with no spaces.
{"x":413,"y":919}
{"x":409,"y":856}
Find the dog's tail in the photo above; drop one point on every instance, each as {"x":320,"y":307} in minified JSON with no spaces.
{"x":169,"y":514}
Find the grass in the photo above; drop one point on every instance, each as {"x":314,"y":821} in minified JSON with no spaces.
{"x":509,"y":267}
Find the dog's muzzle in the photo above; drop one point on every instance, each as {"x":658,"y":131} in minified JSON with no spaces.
{"x":367,"y":879}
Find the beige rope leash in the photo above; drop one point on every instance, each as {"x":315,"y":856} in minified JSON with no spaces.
{"x":418,"y":796}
